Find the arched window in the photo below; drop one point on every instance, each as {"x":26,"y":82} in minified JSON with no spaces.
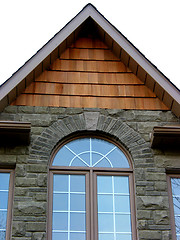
{"x":91,"y":191}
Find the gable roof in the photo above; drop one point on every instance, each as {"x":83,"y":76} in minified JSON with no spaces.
{"x":115,"y":40}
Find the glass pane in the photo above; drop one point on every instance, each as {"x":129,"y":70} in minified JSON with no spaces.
{"x":105,"y":203}
{"x":103,"y":163}
{"x":79,"y":145}
{"x":178,"y":237}
{"x":80,"y":162}
{"x":3,"y":218}
{"x":78,"y":202}
{"x":77,"y":222}
{"x":77,"y":183}
{"x":105,"y":222}
{"x":104,"y":184}
{"x":60,"y":202}
{"x":175,"y":182}
{"x":60,"y":183}
{"x":58,"y":236}
{"x":60,"y":221}
{"x":63,"y":157}
{"x":2,"y":235}
{"x":122,"y":204}
{"x":102,"y":146}
{"x":177,"y":223}
{"x":176,"y":202}
{"x":123,"y":223}
{"x":4,"y":181}
{"x":106,"y":236}
{"x":77,"y":236}
{"x":121,"y":184}
{"x":123,"y":236}
{"x":3,"y":200}
{"x":175,"y":186}
{"x":118,"y":159}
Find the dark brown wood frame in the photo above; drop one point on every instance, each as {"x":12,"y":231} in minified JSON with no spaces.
{"x":91,"y":188}
{"x":10,"y":201}
{"x":171,"y":206}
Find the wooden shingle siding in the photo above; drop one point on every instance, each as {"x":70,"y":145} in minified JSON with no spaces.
{"x":88,"y":74}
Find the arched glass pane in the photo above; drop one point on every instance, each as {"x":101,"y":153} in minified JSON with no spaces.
{"x":90,"y":152}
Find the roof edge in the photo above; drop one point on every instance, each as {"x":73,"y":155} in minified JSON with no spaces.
{"x":90,"y":11}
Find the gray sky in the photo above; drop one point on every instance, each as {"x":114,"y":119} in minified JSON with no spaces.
{"x":151,"y":25}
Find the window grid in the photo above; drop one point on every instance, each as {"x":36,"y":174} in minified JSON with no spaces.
{"x":91,"y":152}
{"x":4,"y":188}
{"x":90,"y":157}
{"x":69,"y":210}
{"x":114,"y":210}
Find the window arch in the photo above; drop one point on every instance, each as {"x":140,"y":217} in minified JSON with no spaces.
{"x":91,"y":191}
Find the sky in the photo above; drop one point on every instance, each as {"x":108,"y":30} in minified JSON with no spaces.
{"x":151,"y":25}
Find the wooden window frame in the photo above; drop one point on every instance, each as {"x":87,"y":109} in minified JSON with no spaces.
{"x":91,"y":196}
{"x":171,"y":205}
{"x":10,"y":201}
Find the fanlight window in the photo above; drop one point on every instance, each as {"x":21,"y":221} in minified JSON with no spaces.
{"x":90,"y":199}
{"x":90,"y":152}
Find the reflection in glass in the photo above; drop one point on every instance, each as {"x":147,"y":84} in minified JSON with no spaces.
{"x":106,"y":236}
{"x":59,"y":235}
{"x":175,"y":183}
{"x":77,"y":221}
{"x":114,"y":217}
{"x":4,"y":188}
{"x":77,"y":236}
{"x":60,"y":221}
{"x":69,"y":211}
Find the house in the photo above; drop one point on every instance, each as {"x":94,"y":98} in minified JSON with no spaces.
{"x":90,"y":137}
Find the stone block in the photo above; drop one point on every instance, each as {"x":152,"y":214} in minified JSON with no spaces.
{"x":38,"y":109}
{"x":36,"y":227}
{"x":42,"y":180}
{"x":11,"y":109}
{"x":20,"y":170}
{"x":36,"y":168}
{"x":25,"y":109}
{"x":18,"y":229}
{"x":91,"y":120}
{"x":31,"y":208}
{"x":152,"y":202}
{"x":149,"y":235}
{"x":25,"y":182}
{"x":38,"y":236}
{"x":161,"y":217}
{"x":155,"y":176}
{"x":144,"y":214}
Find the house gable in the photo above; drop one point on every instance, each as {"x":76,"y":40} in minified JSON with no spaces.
{"x":88,"y":18}
{"x":88,"y":74}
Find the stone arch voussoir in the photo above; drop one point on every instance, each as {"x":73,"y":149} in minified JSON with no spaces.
{"x":91,"y":121}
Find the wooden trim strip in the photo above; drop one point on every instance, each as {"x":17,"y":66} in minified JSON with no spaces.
{"x":15,"y":133}
{"x":89,"y":89}
{"x":10,"y":125}
{"x":89,"y":83}
{"x":166,"y":136}
{"x":89,"y":95}
{"x":89,"y":59}
{"x":92,"y":102}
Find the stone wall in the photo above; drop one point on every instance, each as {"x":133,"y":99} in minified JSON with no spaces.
{"x":49,"y":125}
